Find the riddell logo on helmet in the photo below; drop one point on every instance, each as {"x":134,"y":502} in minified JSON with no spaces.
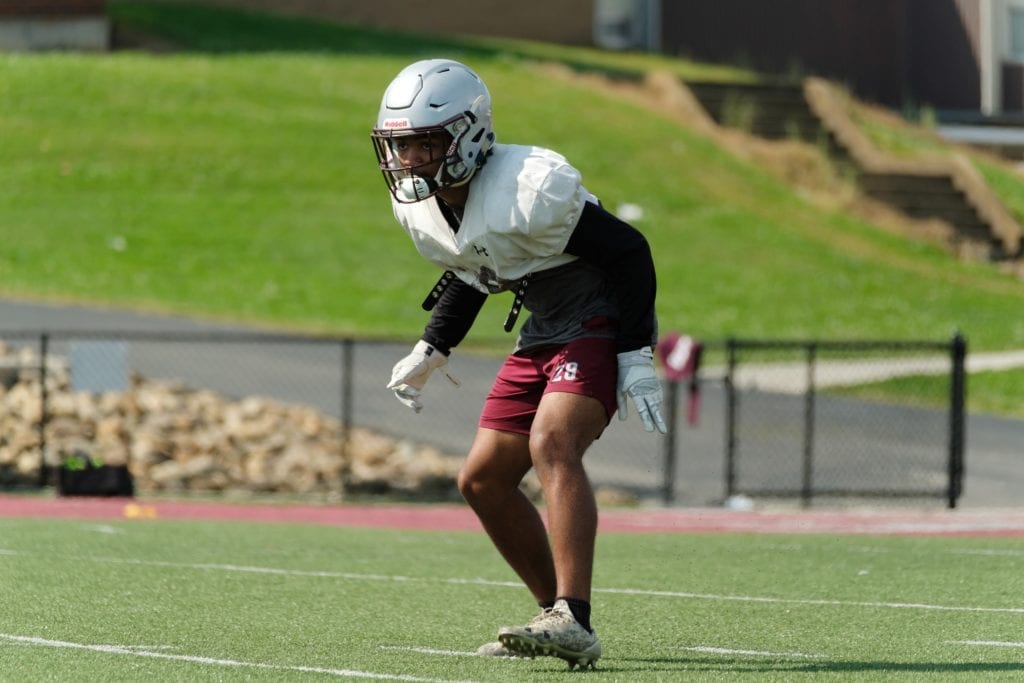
{"x":397,"y":123}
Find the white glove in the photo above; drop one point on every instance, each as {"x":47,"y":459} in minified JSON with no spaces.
{"x":640,"y":382}
{"x":411,"y":373}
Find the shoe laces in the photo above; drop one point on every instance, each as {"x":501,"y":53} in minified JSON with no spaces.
{"x":544,"y":613}
{"x":550,"y":614}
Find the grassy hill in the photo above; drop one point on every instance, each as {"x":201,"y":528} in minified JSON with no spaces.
{"x":234,"y":178}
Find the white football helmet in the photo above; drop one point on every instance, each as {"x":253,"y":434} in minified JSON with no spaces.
{"x":434,"y":97}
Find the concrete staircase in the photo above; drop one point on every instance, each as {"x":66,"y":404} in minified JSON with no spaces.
{"x":921,"y":195}
{"x":770,"y":111}
{"x":949,"y":190}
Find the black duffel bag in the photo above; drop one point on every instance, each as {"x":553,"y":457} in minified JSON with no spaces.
{"x":84,"y":475}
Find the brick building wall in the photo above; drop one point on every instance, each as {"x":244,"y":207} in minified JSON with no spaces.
{"x":895,"y":52}
{"x":31,"y":25}
{"x":52,"y":8}
{"x":558,"y":21}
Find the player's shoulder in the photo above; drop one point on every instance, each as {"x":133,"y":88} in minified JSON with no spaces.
{"x":528,"y":158}
{"x":533,"y":171}
{"x":530,"y":190}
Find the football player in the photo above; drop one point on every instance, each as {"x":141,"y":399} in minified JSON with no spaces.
{"x":496,"y":218}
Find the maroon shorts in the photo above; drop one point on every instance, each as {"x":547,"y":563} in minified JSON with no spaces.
{"x":584,"y":366}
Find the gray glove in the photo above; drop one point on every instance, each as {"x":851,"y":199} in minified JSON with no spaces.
{"x":411,"y":373}
{"x":639,"y":381}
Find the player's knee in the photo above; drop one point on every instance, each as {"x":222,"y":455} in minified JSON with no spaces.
{"x":475,"y":489}
{"x":485,"y":491}
{"x":468,"y":486}
{"x":554,"y":448}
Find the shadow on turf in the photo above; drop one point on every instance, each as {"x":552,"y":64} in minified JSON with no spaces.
{"x":745,"y":666}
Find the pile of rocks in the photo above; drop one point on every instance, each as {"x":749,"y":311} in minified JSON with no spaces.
{"x":176,"y":438}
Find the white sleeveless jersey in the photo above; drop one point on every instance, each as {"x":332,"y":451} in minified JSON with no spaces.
{"x":523,"y":206}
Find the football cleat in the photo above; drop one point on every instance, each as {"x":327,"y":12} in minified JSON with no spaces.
{"x":554,"y":633}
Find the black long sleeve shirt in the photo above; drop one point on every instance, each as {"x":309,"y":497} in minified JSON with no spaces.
{"x":600,"y":239}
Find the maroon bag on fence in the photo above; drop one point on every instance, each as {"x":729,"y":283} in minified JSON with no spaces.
{"x":680,"y":357}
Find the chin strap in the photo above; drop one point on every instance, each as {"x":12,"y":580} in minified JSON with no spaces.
{"x":519,"y":296}
{"x":438,"y":290}
{"x":517,"y":303}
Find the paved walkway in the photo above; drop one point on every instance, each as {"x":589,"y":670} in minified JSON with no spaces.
{"x":625,"y":456}
{"x":791,"y":377}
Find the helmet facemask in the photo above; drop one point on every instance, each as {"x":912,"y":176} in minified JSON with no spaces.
{"x":414,"y":183}
{"x":440,"y":103}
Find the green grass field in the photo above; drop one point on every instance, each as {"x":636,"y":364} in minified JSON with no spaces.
{"x":993,"y":392}
{"x":171,"y":600}
{"x":234,"y":180}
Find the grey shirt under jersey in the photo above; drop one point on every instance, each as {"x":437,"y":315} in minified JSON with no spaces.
{"x":561,"y":301}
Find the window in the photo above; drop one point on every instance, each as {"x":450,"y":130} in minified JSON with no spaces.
{"x":1016,"y":28}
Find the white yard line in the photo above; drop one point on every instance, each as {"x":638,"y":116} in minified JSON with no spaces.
{"x":749,"y":653}
{"x":214,"y":661}
{"x":299,"y":572}
{"x":984,"y":643}
{"x":429,"y":650}
{"x":810,"y":601}
{"x":988,"y":553}
{"x":867,"y":549}
{"x":512,"y":584}
{"x":256,"y":570}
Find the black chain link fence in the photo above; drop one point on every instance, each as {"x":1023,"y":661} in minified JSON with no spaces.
{"x":776,"y":419}
{"x":845,"y":419}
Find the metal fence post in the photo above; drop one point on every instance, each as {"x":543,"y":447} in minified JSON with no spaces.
{"x":958,"y":391}
{"x":807,"y":485}
{"x":44,"y":345}
{"x":668,"y":493}
{"x":345,"y":409}
{"x":730,"y":418}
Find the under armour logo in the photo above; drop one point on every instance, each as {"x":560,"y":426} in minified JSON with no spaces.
{"x":480,"y":251}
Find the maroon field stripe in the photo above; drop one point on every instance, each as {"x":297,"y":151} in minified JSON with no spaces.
{"x":460,"y":518}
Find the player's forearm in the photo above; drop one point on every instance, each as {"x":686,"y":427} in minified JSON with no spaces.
{"x":453,"y":316}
